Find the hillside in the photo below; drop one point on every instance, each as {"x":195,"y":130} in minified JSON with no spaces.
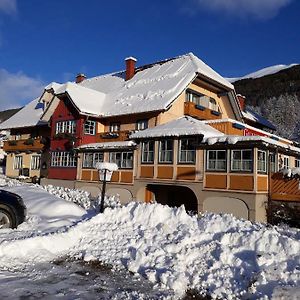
{"x":276,"y":96}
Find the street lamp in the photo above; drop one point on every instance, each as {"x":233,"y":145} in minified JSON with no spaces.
{"x":105,"y":170}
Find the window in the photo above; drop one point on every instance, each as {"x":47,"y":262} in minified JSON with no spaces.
{"x":124,"y":160}
{"x":63,"y":159}
{"x":35,"y":162}
{"x":261,"y":161}
{"x":187,"y":151}
{"x":18,"y":136}
{"x":90,"y":159}
{"x":166,"y":151}
{"x":272,"y":161}
{"x":297,"y":163}
{"x":66,"y":127}
{"x":90,"y":127}
{"x":18,"y":162}
{"x":148,"y":152}
{"x":201,"y":99}
{"x":286,"y":162}
{"x":216,"y":160}
{"x":241,"y":160}
{"x":114,"y":127}
{"x":141,"y":124}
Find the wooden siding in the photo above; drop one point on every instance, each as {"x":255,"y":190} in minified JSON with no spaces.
{"x":241,"y":182}
{"x":204,"y":113}
{"x":213,"y":181}
{"x":104,"y":137}
{"x":284,"y":189}
{"x":186,"y":173}
{"x":22,"y":145}
{"x":262,"y":183}
{"x":126,"y":176}
{"x":86,"y":175}
{"x":147,"y":172}
{"x":227,"y":128}
{"x":165,"y":172}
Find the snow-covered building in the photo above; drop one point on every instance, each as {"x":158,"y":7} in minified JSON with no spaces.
{"x":177,"y":132}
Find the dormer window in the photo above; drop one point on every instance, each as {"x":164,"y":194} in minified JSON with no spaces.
{"x":141,"y":124}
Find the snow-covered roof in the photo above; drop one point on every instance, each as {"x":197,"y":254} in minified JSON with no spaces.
{"x":108,"y":145}
{"x":182,"y":126}
{"x":28,"y":116}
{"x":152,"y":88}
{"x":249,"y":127}
{"x":86,"y":100}
{"x":255,"y":117}
{"x":233,"y":139}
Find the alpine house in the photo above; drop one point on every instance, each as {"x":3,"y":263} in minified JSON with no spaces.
{"x":177,"y":131}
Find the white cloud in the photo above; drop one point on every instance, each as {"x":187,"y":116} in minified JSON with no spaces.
{"x":17,"y":89}
{"x":260,"y":9}
{"x":8,"y":6}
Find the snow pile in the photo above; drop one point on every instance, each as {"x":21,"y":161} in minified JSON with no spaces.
{"x":218,"y":255}
{"x":79,"y":197}
{"x":290,"y":172}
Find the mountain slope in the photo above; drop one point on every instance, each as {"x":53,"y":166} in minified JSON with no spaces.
{"x":275,"y":96}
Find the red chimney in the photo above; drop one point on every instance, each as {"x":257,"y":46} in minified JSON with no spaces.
{"x":80,"y":77}
{"x":242,"y":101}
{"x":130,"y":66}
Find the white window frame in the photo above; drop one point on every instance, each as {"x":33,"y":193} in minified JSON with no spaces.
{"x":147,"y":152}
{"x":297,"y":162}
{"x":142,"y":124}
{"x":285,"y":161}
{"x":63,"y":159}
{"x":89,"y":127}
{"x":166,"y":151}
{"x":188,"y":155}
{"x":18,"y":162}
{"x":216,"y":164}
{"x":90,"y":160}
{"x":114,"y":127}
{"x":272,"y":162}
{"x":35,"y":162}
{"x":65,"y":127}
{"x":261,"y":161}
{"x":122,"y":159}
{"x":242,"y":162}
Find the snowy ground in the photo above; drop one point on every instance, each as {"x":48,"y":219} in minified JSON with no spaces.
{"x":168,"y":250}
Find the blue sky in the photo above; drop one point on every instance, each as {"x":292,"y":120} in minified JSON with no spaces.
{"x":53,"y":40}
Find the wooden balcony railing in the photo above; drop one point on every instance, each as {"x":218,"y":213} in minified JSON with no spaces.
{"x":284,"y":189}
{"x":200,"y":112}
{"x":117,"y":136}
{"x":23,"y":145}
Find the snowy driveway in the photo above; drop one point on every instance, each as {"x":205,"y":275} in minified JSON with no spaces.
{"x":217,"y":255}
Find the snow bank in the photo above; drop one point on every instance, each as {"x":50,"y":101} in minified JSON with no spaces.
{"x":218,"y":255}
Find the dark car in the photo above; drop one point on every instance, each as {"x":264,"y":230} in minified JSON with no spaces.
{"x":12,"y":210}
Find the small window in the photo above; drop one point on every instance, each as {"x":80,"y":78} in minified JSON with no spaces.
{"x":124,"y":160}
{"x":216,"y":160}
{"x":91,"y":159}
{"x":166,"y":151}
{"x":272,"y":161}
{"x":141,"y":124}
{"x":213,"y":104}
{"x":187,"y":151}
{"x":35,"y":162}
{"x":297,"y":163}
{"x":261,"y":161}
{"x":18,"y":136}
{"x":286,"y":162}
{"x":114,"y":127}
{"x":66,"y":127}
{"x":148,"y":152}
{"x":18,"y":162}
{"x":90,"y":127}
{"x":241,"y":160}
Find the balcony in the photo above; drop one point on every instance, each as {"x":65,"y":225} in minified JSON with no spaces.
{"x":23,"y":145}
{"x":200,"y":112}
{"x":117,"y":136}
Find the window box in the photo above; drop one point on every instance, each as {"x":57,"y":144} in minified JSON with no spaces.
{"x":12,"y":143}
{"x":200,"y":107}
{"x":29,"y":142}
{"x":215,"y":113}
{"x":110,"y":135}
{"x":238,"y":126}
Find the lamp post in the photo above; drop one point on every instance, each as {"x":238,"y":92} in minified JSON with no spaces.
{"x":105,"y":170}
